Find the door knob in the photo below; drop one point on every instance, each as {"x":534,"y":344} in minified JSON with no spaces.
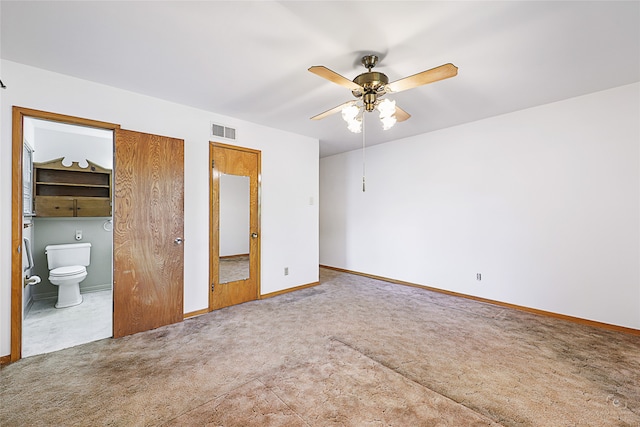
{"x":254,"y":235}
{"x":178,"y":241}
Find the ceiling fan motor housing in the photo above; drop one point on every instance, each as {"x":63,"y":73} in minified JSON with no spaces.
{"x":371,"y":80}
{"x":373,"y":83}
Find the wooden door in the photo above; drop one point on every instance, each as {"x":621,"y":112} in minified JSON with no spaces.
{"x":234,"y":162}
{"x":148,"y":257}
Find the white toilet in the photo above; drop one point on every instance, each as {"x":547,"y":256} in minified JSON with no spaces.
{"x":67,"y":268}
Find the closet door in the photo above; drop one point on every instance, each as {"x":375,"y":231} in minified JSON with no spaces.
{"x":234,"y":225}
{"x":148,"y":217}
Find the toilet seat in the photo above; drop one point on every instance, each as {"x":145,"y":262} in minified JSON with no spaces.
{"x":70,"y":270}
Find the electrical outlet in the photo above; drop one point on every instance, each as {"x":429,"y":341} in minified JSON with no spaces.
{"x":286,"y":271}
{"x":478,"y":276}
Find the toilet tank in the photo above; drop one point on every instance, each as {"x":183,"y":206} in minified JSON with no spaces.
{"x":69,"y":254}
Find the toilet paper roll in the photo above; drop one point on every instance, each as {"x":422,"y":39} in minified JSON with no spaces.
{"x":33,"y":280}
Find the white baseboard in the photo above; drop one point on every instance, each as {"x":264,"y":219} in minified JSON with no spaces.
{"x":46,"y":295}
{"x":27,"y":307}
{"x":83,"y":290}
{"x":95,"y":288}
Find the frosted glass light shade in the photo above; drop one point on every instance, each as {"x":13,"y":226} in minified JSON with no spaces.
{"x":387,"y":108}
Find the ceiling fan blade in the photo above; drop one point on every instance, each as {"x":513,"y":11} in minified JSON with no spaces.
{"x":332,"y":111}
{"x":433,"y":75}
{"x":401,"y":115}
{"x":334,"y":77}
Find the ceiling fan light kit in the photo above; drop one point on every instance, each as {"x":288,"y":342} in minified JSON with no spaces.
{"x":351,"y":115}
{"x":387,"y":109}
{"x":369,"y":89}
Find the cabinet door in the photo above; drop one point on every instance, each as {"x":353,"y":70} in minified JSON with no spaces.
{"x":92,"y":206}
{"x":55,"y":206}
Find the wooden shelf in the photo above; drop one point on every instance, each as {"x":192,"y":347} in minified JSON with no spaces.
{"x":71,"y":190}
{"x":68,"y":184}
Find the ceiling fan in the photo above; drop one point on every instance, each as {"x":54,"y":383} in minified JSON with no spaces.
{"x":370,"y":88}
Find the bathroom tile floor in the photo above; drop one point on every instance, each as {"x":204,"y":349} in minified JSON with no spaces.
{"x":46,"y":328}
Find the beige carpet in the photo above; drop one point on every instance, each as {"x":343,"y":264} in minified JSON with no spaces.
{"x":352,"y":351}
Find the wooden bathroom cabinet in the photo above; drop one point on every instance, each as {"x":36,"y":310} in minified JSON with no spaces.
{"x":71,"y":191}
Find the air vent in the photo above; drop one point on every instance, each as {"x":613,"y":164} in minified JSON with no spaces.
{"x":222,"y":131}
{"x":229,"y":133}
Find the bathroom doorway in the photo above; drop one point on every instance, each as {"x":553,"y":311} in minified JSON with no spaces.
{"x":139,"y":160}
{"x":50,"y":218}
{"x":22,"y":184}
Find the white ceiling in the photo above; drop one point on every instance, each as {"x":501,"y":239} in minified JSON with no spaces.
{"x":249,"y":60}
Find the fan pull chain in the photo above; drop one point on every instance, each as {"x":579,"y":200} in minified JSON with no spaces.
{"x":363,"y":154}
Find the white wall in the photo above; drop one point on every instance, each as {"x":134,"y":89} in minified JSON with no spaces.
{"x":73,"y":147}
{"x":289,"y":177}
{"x":543,"y":202}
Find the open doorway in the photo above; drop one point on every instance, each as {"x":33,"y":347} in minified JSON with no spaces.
{"x":148,"y":254}
{"x":22,"y":211}
{"x":67,"y":168}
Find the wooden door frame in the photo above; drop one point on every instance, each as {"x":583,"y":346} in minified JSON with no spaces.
{"x":18,"y":115}
{"x":214,"y":220}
